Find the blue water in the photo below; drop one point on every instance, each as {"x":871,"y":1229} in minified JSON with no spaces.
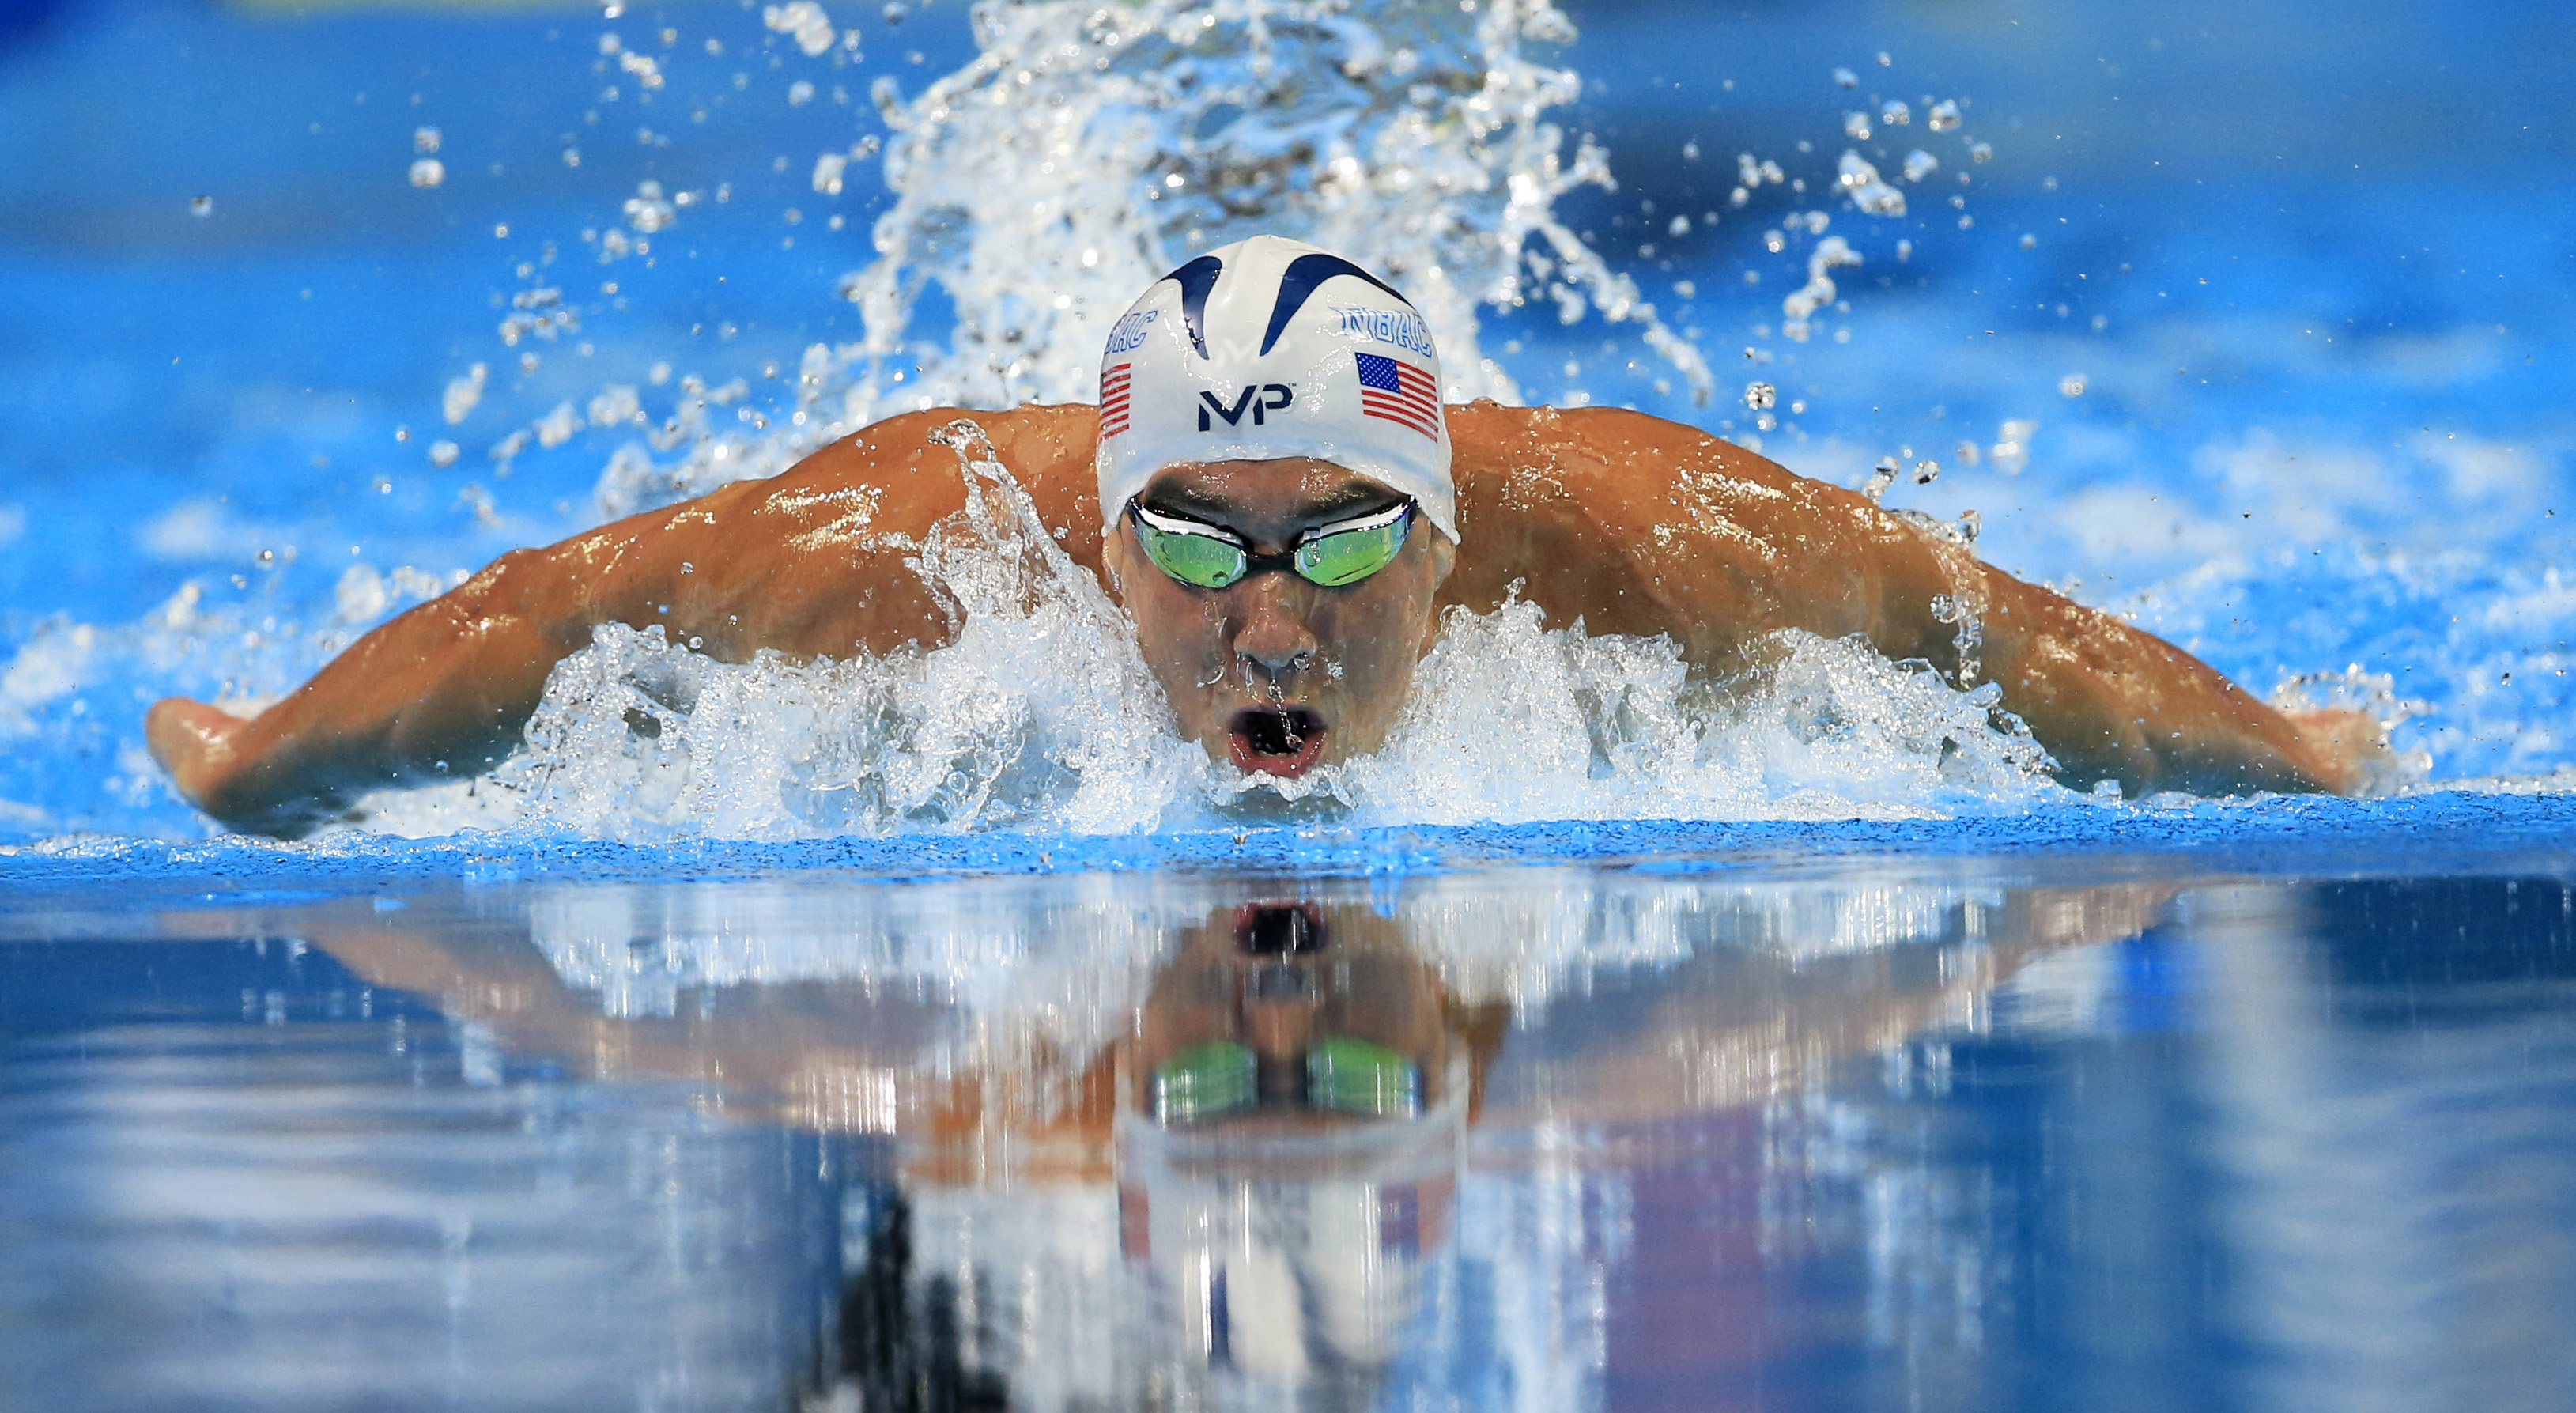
{"x":2023,"y":1101}
{"x":1870,"y":1131}
{"x":2320,"y":429}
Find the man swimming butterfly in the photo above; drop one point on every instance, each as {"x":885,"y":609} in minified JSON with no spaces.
{"x":1272,"y":488}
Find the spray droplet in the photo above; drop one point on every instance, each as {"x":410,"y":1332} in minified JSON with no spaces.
{"x":201,"y":206}
{"x":1943,"y":115}
{"x":1895,"y":114}
{"x":1881,"y":476}
{"x":1905,"y":250}
{"x":2072,"y":385}
{"x":1920,"y":164}
{"x":1856,"y":126}
{"x":424,"y":139}
{"x":1845,"y":78}
{"x":2029,"y":241}
{"x":1760,"y":396}
{"x":2012,"y":448}
{"x":1981,"y":152}
{"x":428,"y":172}
{"x":804,"y":20}
{"x":1885,"y":58}
{"x":1926,"y":472}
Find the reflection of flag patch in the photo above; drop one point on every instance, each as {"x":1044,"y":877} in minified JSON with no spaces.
{"x":1399,"y":392}
{"x":1113,"y":401}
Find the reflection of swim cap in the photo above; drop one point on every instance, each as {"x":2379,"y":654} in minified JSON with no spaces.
{"x":1271,"y":348}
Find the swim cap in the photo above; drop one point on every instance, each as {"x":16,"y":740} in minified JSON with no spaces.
{"x":1272,"y":348}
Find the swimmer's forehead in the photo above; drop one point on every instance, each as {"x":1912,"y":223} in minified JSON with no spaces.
{"x":1291,"y":489}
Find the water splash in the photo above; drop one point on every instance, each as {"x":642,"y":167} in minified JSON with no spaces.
{"x":1041,"y":715}
{"x":1087,"y":150}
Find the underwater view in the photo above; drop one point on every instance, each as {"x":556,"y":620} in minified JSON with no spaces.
{"x":934,"y":1024}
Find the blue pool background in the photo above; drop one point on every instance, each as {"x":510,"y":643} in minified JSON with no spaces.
{"x":2323,"y":424}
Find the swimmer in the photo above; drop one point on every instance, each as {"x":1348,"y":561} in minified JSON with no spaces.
{"x":1272,"y":489}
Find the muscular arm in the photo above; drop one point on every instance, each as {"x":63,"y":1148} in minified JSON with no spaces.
{"x":1638,"y":525}
{"x":1631,"y":523}
{"x":811,"y":563}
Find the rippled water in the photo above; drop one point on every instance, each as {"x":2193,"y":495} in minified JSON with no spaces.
{"x":1873,"y":1133}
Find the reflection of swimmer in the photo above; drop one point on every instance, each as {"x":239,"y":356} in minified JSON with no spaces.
{"x":1117,"y":1209}
{"x":1269,"y":487}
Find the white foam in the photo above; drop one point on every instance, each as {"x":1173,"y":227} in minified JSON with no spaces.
{"x":1041,"y":715}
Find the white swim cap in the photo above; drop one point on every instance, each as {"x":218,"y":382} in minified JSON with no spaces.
{"x":1271,"y":348}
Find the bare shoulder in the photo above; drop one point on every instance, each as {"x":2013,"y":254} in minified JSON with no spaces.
{"x":1638,"y":524}
{"x":1516,"y":453}
{"x":897,"y":466}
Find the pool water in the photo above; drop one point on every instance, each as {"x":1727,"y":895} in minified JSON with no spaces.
{"x":1883,"y":1131}
{"x":934,"y":1032}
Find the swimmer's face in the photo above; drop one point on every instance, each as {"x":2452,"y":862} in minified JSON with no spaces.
{"x":1354,"y":979}
{"x":1273,"y":673}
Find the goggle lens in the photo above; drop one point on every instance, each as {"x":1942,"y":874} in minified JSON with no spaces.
{"x":1206,"y":558}
{"x":1345,"y":1075}
{"x":1348,"y":556}
{"x":1206,"y":1081}
{"x":1203,"y":561}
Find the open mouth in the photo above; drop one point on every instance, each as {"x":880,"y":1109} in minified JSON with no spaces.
{"x":1276,"y":741}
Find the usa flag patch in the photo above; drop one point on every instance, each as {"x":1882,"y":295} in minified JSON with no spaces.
{"x":1395,"y":390}
{"x":1113,"y":401}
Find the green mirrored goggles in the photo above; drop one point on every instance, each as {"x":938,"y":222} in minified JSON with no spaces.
{"x":1207,"y":557}
{"x":1344,"y":1075}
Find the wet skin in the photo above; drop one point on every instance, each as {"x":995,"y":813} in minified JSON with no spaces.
{"x":1273,"y":673}
{"x":1624,"y":521}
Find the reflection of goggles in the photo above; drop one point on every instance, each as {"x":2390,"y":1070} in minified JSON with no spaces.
{"x":1344,"y":1075}
{"x":1208,"y":557}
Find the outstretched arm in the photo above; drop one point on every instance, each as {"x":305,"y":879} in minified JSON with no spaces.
{"x":811,"y":563}
{"x":1638,"y":525}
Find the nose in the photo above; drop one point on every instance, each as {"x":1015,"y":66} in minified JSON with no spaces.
{"x":1271,"y":636}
